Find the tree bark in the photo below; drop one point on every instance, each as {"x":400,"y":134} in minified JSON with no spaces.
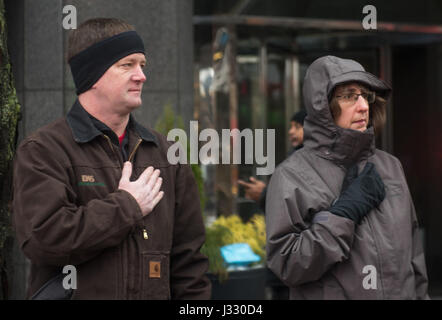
{"x":9,"y":117}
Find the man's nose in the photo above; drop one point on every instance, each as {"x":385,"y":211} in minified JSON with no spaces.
{"x":139,"y":74}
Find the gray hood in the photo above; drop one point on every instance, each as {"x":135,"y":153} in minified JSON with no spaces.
{"x":343,"y":146}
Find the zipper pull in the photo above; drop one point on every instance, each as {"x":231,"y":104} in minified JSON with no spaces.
{"x":145,"y":235}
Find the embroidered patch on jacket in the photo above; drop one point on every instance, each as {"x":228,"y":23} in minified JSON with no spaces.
{"x":154,"y":269}
{"x":89,"y":180}
{"x":321,"y":217}
{"x":393,"y":189}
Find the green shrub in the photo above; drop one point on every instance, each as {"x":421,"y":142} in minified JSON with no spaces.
{"x":229,"y":230}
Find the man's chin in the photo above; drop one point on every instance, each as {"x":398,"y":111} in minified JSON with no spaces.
{"x":134,"y":104}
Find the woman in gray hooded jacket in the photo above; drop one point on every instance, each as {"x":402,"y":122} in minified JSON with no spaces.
{"x":340,"y":220}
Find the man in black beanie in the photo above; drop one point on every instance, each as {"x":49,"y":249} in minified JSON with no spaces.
{"x":94,"y":191}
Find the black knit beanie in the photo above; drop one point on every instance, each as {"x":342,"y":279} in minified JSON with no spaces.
{"x":299,"y":117}
{"x":90,"y":64}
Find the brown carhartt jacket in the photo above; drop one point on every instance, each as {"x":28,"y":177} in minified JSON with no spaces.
{"x":323,"y":256}
{"x":67,"y":210}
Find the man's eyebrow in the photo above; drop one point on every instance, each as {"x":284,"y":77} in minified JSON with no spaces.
{"x":133,"y":60}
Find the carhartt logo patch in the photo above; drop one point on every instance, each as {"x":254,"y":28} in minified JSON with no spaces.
{"x":154,"y":269}
{"x":89,"y":180}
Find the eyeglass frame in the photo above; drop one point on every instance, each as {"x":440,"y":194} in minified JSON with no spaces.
{"x":356,"y":96}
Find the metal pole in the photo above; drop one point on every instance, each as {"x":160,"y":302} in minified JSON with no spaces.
{"x":308,"y":23}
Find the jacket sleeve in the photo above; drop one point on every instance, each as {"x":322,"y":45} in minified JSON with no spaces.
{"x":50,"y":228}
{"x":418,"y":263}
{"x":300,"y":251}
{"x":418,"y":256}
{"x":188,"y":264}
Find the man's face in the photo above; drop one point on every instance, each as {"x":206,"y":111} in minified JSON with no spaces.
{"x":296,"y":133}
{"x":354,"y":107}
{"x":121,"y":85}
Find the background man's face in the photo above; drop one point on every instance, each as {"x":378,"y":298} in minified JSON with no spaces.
{"x":296,"y":133}
{"x":121,"y":85}
{"x":354,"y":114}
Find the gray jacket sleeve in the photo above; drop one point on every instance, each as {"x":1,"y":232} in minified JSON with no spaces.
{"x":418,"y":258}
{"x":418,"y":263}
{"x":303,"y":242}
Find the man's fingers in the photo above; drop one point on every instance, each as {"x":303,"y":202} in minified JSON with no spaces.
{"x":157,"y":199}
{"x":157,"y":186}
{"x":152,"y":179}
{"x":144,"y":177}
{"x":127,"y":171}
{"x":244,"y":184}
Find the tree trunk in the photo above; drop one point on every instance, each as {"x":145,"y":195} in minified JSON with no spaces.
{"x":9,"y":117}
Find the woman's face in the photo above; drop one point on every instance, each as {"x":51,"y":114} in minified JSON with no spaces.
{"x":353,"y":100}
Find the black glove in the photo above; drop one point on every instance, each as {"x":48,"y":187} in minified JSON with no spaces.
{"x":359,"y":194}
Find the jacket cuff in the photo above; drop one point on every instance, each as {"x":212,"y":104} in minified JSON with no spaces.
{"x":132,"y":204}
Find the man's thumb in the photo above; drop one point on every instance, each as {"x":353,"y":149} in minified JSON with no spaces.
{"x":127,"y":171}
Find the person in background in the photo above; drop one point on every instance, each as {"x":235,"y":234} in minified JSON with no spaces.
{"x":296,"y":131}
{"x":256,"y":189}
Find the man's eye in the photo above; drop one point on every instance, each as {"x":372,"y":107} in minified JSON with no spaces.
{"x":347,"y":96}
{"x":126,"y":64}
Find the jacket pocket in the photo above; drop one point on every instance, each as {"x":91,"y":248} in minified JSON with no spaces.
{"x":156,"y":278}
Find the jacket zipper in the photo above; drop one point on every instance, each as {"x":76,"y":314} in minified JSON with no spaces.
{"x":135,"y":149}
{"x":113,"y":150}
{"x":145,"y":235}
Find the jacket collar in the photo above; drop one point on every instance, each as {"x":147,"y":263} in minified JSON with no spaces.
{"x":84,"y":130}
{"x":342,"y":146}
